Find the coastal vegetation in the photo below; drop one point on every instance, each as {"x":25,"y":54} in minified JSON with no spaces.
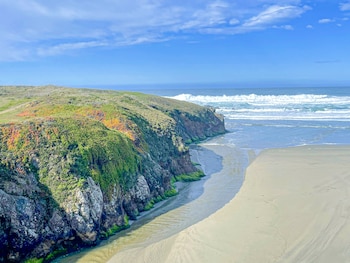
{"x":115,"y":228}
{"x":190,"y":177}
{"x":76,"y":164}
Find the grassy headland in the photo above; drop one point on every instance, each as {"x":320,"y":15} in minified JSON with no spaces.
{"x":83,"y":160}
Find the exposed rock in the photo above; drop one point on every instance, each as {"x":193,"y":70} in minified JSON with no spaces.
{"x":141,"y":189}
{"x":84,"y":211}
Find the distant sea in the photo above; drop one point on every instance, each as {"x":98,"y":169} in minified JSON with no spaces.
{"x":261,"y":118}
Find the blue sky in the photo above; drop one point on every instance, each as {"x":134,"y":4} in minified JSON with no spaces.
{"x":120,"y":42}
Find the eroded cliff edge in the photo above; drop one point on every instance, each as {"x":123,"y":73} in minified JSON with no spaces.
{"x":76,"y":164}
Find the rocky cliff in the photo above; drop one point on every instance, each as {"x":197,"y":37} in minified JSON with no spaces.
{"x":76,"y":164}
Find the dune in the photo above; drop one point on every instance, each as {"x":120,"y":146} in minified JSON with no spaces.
{"x":294,"y":206}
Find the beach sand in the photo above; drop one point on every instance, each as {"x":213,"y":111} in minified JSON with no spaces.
{"x":294,"y":206}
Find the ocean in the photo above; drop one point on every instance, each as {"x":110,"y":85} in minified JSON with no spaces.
{"x":261,"y":118}
{"x":256,"y":119}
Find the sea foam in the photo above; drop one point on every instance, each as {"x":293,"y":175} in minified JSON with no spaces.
{"x":276,"y":107}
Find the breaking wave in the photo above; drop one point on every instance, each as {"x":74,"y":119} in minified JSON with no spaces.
{"x":276,"y":107}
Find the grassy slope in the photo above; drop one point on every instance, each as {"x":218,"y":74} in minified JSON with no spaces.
{"x":75,"y":133}
{"x":20,"y":103}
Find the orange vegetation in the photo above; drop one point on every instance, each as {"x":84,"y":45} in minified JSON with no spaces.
{"x":117,"y":124}
{"x":26,"y":113}
{"x":12,"y":135}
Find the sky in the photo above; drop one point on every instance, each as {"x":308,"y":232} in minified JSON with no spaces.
{"x":151,"y":42}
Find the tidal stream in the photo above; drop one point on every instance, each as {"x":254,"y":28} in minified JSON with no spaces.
{"x":195,"y":201}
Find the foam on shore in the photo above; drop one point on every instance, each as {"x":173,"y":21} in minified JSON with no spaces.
{"x":294,"y":206}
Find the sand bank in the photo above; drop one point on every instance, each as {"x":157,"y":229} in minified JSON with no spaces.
{"x":294,"y":206}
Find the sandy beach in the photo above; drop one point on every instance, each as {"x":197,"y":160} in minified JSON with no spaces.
{"x":294,"y":206}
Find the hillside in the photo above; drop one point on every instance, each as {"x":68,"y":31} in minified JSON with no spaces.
{"x":76,"y":164}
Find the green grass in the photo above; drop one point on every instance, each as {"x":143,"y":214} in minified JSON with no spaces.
{"x":149,"y":205}
{"x":69,"y":151}
{"x":115,"y":228}
{"x":55,"y":254}
{"x":195,"y":176}
{"x":58,"y":101}
{"x":171,"y":192}
{"x":126,"y":109}
{"x":34,"y":260}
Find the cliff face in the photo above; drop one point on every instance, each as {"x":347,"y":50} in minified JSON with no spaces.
{"x":75,"y":165}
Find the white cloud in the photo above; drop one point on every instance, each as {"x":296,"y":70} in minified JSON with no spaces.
{"x":40,"y":28}
{"x":213,"y":14}
{"x":62,"y":48}
{"x":309,"y":27}
{"x":286,"y":27}
{"x":345,"y":6}
{"x":274,"y":14}
{"x":234,"y":21}
{"x":325,"y":21}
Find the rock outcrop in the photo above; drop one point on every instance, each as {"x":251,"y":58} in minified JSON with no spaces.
{"x":76,"y":164}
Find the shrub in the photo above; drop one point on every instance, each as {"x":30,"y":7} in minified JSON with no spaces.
{"x":195,"y":176}
{"x":149,"y":205}
{"x":171,"y":192}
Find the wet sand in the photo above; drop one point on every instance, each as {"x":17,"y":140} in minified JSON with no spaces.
{"x":294,"y":206}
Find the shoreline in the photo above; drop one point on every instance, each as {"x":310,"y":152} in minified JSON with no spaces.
{"x":293,"y":207}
